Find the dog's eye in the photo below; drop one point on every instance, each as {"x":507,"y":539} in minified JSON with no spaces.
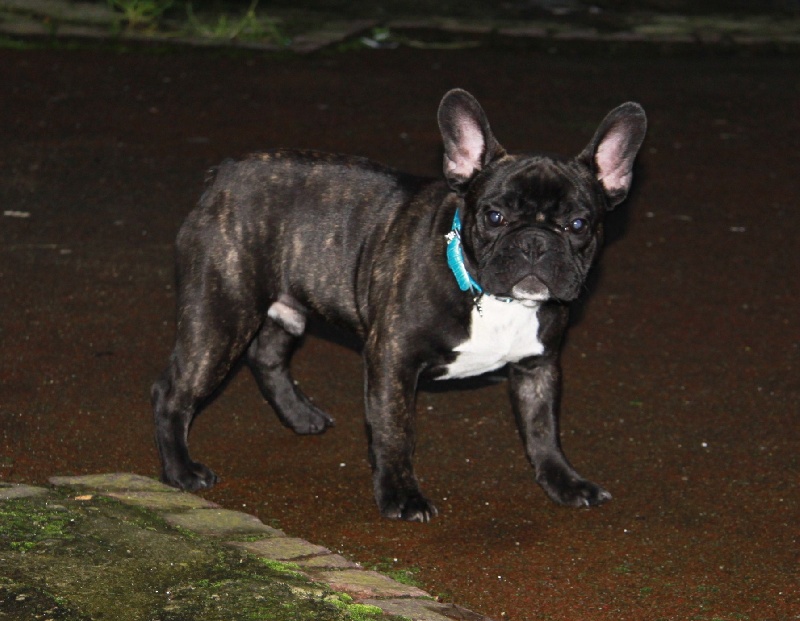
{"x":578,"y":225}
{"x":495,"y":218}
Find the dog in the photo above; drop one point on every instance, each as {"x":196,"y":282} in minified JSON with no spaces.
{"x":439,"y":279}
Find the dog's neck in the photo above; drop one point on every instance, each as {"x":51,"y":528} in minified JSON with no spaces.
{"x":455,"y":260}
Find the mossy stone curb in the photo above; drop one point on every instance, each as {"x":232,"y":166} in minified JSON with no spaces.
{"x":127,"y":547}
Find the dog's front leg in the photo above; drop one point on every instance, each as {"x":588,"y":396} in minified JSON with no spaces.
{"x":390,"y":394}
{"x":535,"y":397}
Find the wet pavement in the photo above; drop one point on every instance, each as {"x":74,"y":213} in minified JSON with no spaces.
{"x":681,"y":371}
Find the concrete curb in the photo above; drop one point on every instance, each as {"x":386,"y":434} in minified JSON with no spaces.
{"x":82,"y":20}
{"x":228,"y":528}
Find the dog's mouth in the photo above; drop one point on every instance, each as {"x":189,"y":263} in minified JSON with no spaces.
{"x":530,"y":289}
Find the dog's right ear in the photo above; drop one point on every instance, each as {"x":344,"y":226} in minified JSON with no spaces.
{"x":469,"y":144}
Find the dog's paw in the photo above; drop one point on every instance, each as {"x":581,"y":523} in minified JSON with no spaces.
{"x":567,"y":488}
{"x":413,"y":507}
{"x":308,"y":421}
{"x":192,"y":478}
{"x":582,"y":493}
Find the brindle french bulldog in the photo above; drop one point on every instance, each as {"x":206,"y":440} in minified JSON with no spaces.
{"x":439,"y":278}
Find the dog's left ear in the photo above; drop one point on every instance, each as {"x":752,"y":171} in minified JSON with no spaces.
{"x":469,"y":144}
{"x":613,"y":149}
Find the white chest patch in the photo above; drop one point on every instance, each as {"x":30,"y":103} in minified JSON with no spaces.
{"x":504,"y":332}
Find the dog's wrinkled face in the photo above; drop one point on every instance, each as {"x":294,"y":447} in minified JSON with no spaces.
{"x":532,"y":225}
{"x":532,"y":228}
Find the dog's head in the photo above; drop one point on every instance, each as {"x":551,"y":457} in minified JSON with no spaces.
{"x":532,"y":224}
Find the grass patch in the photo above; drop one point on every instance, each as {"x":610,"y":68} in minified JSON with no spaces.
{"x":251,"y":26}
{"x":141,"y":14}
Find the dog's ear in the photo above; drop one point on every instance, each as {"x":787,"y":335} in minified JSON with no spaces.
{"x":613,"y":149}
{"x":469,"y":144}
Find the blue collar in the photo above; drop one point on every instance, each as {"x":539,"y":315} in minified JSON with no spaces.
{"x":455,"y":260}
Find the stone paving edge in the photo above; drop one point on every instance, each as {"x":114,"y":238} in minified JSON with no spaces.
{"x":204,"y":518}
{"x":81,"y":20}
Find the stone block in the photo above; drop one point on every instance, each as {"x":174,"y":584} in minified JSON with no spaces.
{"x":281,"y":548}
{"x":160,"y":501}
{"x":363,"y":584}
{"x":425,"y":610}
{"x":12,"y":491}
{"x":221,"y":523}
{"x":120,"y":481}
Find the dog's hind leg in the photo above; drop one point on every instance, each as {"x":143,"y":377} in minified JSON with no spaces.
{"x":268,"y":357}
{"x":212,"y":334}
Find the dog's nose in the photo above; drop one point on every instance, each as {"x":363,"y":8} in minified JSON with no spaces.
{"x":533,"y":245}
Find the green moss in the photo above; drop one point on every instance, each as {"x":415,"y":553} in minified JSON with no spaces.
{"x":404,"y":575}
{"x":26,"y":602}
{"x":357,"y":612}
{"x":178,"y":577}
{"x":623,"y":569}
{"x":25,"y":524}
{"x":282,"y":567}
